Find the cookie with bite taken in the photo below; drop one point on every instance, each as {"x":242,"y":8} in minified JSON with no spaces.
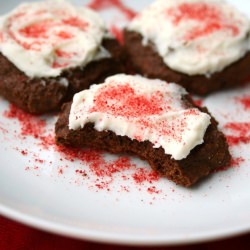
{"x":153,"y":119}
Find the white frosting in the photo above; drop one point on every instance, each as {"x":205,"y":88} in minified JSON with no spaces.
{"x":142,"y":109}
{"x":44,"y":38}
{"x":194,"y":36}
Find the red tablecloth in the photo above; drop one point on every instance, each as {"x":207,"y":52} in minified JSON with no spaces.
{"x":19,"y":237}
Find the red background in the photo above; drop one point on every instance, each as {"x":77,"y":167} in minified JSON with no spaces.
{"x":19,"y":237}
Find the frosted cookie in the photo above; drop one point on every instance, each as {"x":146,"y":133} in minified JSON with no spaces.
{"x":202,"y":45}
{"x":50,"y":50}
{"x":152,"y":119}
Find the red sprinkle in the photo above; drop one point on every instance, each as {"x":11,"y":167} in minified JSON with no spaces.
{"x":209,"y":18}
{"x":153,"y":190}
{"x":64,"y":35}
{"x":107,"y":4}
{"x":57,"y":65}
{"x":61,"y":55}
{"x":24,"y":152}
{"x":241,"y":133}
{"x":39,"y":161}
{"x":38,"y":30}
{"x":81,"y":172}
{"x":30,"y":125}
{"x":143,"y":175}
{"x":96,"y":161}
{"x":35,"y":45}
{"x":198,"y":102}
{"x":245,"y":101}
{"x":76,"y":22}
{"x":60,"y":171}
{"x":104,"y":170}
{"x":3,"y":130}
{"x":39,"y":33}
{"x":46,"y":141}
{"x":121,"y":100}
{"x":64,"y":54}
{"x":235,"y":163}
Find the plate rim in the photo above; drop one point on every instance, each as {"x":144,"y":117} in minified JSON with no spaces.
{"x":59,"y":228}
{"x":109,"y":238}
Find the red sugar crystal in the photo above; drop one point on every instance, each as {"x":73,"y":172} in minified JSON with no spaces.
{"x":60,"y":171}
{"x":3,"y":130}
{"x":153,"y":190}
{"x":38,"y":30}
{"x":47,"y":141}
{"x":30,"y":124}
{"x":235,"y":162}
{"x":35,"y":45}
{"x":121,"y":100}
{"x":96,"y":161}
{"x":57,"y":65}
{"x":241,"y":133}
{"x":245,"y":101}
{"x":63,"y":54}
{"x":143,"y":175}
{"x":64,"y":35}
{"x":81,"y":172}
{"x":102,"y":168}
{"x":198,"y":102}
{"x":39,"y":160}
{"x":209,"y":17}
{"x":24,"y":152}
{"x":76,"y":22}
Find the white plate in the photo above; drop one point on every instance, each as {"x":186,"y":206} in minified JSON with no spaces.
{"x":41,"y":188}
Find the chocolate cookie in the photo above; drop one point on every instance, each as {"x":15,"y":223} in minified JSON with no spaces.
{"x":201,"y":45}
{"x":107,"y":124}
{"x":61,"y":51}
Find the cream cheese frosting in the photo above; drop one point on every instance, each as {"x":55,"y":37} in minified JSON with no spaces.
{"x":195,"y":37}
{"x":44,"y":38}
{"x":142,"y":109}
